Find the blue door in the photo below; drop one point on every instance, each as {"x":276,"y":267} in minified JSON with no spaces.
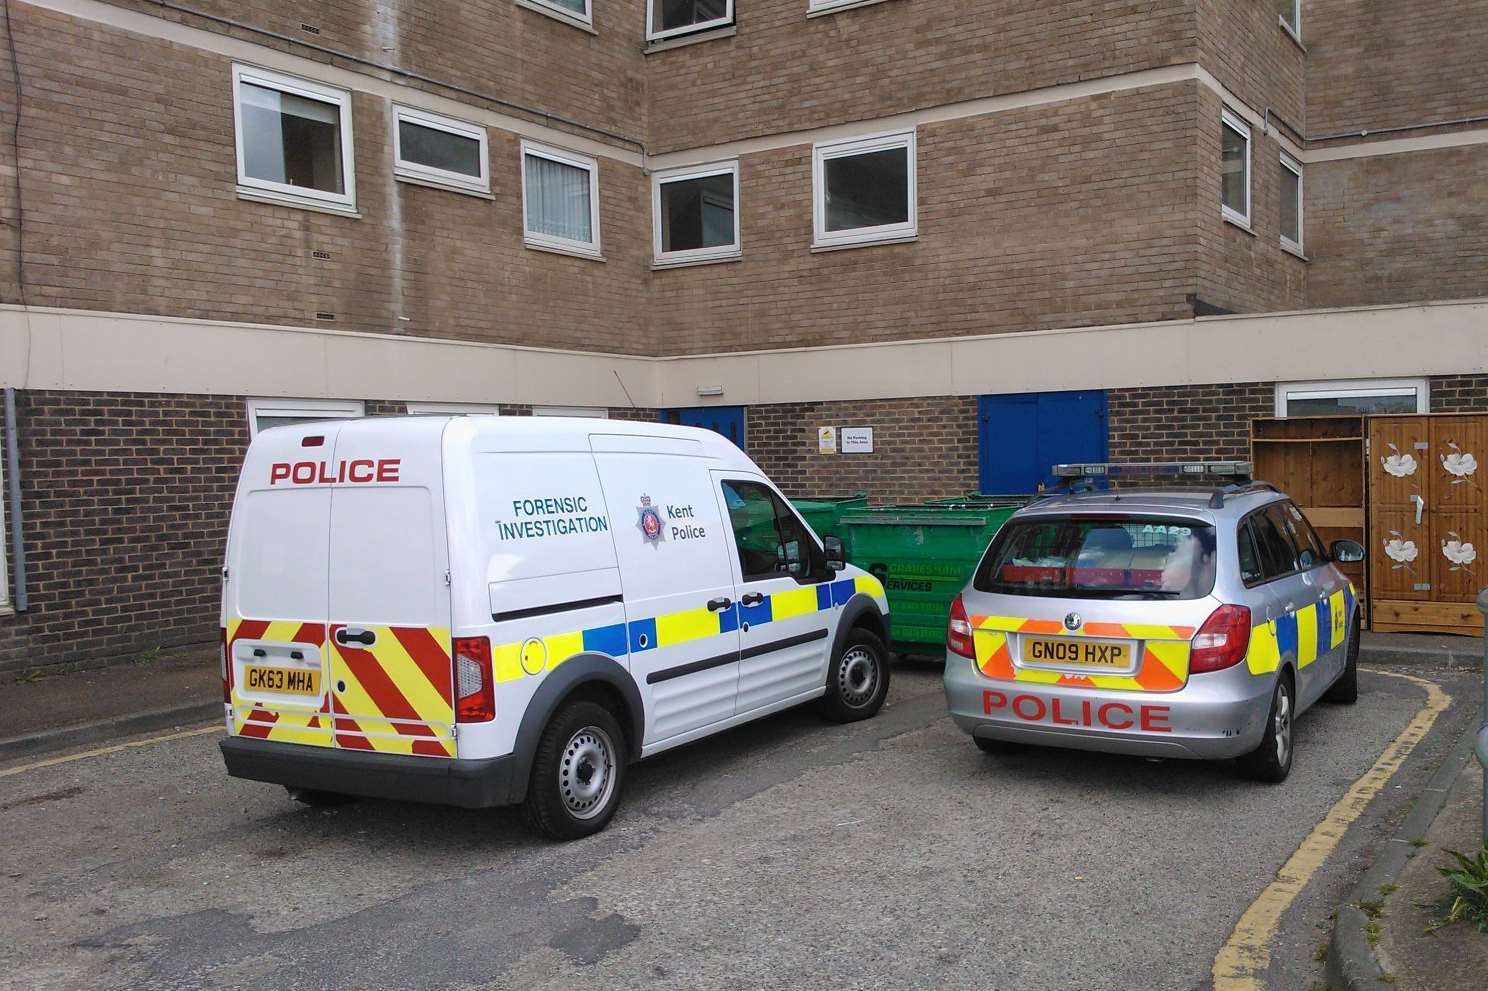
{"x":1020,"y":436}
{"x":725,"y":420}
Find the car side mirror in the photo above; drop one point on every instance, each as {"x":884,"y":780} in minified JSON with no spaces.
{"x":1347,"y":551}
{"x":836,"y":556}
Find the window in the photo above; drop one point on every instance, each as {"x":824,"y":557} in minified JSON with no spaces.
{"x":1291,"y":203}
{"x":693,"y":214}
{"x":293,"y":140}
{"x":772,"y":541}
{"x":668,"y":18}
{"x":1305,"y":541}
{"x":1353,"y":398}
{"x":576,"y":12}
{"x":864,"y":190}
{"x":827,"y":6}
{"x":1234,"y":172}
{"x":593,"y":412}
{"x":264,"y":414}
{"x":440,"y":151}
{"x":1291,"y":16}
{"x":453,"y":409}
{"x":560,"y":200}
{"x":1250,"y":558}
{"x":1277,"y":556}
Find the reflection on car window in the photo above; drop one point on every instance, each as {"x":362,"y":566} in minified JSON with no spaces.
{"x":1277,"y":554}
{"x":1250,"y":564}
{"x":1304,"y":538}
{"x":772,"y":541}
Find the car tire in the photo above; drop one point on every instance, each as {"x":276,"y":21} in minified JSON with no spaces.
{"x":1345,"y":691}
{"x":578,"y":773}
{"x":1272,"y":760}
{"x":998,"y":748}
{"x":857,"y":678}
{"x":317,"y":799}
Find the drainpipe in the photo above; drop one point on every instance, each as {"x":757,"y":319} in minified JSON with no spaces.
{"x":1482,"y":747}
{"x":13,"y":478}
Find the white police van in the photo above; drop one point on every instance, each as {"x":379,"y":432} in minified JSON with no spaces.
{"x":484,"y":610}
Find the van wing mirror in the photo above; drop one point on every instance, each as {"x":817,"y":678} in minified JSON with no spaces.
{"x":1347,"y":551}
{"x":836,"y":556}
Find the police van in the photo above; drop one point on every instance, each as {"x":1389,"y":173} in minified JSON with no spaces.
{"x":481,"y":611}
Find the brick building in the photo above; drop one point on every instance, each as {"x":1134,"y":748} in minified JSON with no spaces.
{"x":963,"y":223}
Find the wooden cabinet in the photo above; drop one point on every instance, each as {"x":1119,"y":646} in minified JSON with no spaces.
{"x":1428,"y":515}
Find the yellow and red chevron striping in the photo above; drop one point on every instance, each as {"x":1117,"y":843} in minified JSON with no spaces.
{"x":1163,"y":667}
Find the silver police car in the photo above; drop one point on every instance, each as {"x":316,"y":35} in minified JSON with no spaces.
{"x":1184,"y":622}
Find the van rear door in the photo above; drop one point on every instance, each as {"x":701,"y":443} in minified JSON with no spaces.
{"x":389,"y":601}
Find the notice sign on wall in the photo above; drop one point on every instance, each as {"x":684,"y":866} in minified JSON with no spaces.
{"x":857,"y":440}
{"x":826,"y":440}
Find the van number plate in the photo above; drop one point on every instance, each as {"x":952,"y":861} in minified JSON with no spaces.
{"x":286,"y":681}
{"x":1076,"y":653}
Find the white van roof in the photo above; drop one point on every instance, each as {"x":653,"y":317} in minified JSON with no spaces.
{"x":562,"y":433}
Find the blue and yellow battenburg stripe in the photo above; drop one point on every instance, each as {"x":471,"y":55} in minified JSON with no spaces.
{"x":640,"y":635}
{"x":1306,"y":634}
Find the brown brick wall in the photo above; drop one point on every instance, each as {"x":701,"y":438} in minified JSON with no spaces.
{"x":1398,"y":228}
{"x":1375,"y":65}
{"x":1170,"y":423}
{"x":128,"y":161}
{"x":923,"y":448}
{"x":1459,"y":394}
{"x":1242,"y":43}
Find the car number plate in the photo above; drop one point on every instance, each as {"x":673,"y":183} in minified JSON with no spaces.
{"x":1076,"y":653}
{"x":286,"y":681}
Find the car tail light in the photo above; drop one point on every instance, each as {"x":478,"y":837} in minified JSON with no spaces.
{"x":958,"y":631}
{"x":227,"y":674}
{"x":1222,"y":642}
{"x":475,"y":688}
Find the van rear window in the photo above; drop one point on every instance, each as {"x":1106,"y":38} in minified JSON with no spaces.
{"x":1111,"y":557}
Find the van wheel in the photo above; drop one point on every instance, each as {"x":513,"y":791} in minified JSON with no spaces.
{"x":1345,"y":691}
{"x":317,"y":799}
{"x":577,"y":773}
{"x":858,"y":679}
{"x":1272,"y":760}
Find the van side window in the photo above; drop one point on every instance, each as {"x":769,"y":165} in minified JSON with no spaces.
{"x":772,"y":541}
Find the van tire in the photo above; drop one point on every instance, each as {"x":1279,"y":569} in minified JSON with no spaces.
{"x":857,"y":679}
{"x":1272,"y":760}
{"x":1345,"y":691}
{"x":559,"y":802}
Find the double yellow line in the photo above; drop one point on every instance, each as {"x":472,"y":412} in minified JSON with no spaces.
{"x":102,"y":751}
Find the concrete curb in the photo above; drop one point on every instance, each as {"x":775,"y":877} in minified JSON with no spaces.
{"x":1353,"y":964}
{"x":109,"y":729}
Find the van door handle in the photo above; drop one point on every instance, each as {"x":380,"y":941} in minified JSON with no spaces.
{"x":348,"y":635}
{"x":752,"y":599}
{"x":719,"y":605}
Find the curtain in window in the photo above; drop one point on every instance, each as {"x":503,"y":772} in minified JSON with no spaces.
{"x":558,"y":200}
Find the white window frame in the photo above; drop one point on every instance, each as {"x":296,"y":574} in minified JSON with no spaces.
{"x":1229,"y":118}
{"x":1354,"y":388}
{"x":283,"y":193}
{"x":548,"y":242}
{"x":660,"y":179}
{"x":322,"y":409}
{"x":1293,"y":29}
{"x":814,"y":7}
{"x":595,"y":412}
{"x":1295,"y":167}
{"x":453,"y":409}
{"x":428,"y":175}
{"x":717,"y":22}
{"x":561,"y":13}
{"x":884,"y":233}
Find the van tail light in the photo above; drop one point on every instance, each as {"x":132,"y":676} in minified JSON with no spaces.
{"x":227,"y":672}
{"x":475,"y":682}
{"x":958,"y":631}
{"x":1222,"y":642}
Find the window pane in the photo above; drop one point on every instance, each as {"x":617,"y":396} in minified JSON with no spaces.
{"x":1277,"y":555}
{"x":291,"y":139}
{"x":1291,"y":205}
{"x":436,"y":149}
{"x":697,"y":213}
{"x":667,"y":15}
{"x":1250,"y":565}
{"x":752,"y":516}
{"x":558,"y":200}
{"x":1288,"y":11}
{"x":868,"y":190}
{"x":580,"y":7}
{"x":1234,"y":183}
{"x":1352,"y":405}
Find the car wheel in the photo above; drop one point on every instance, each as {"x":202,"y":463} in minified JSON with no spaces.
{"x":1272,"y":760}
{"x":1345,"y":691}
{"x":857,"y":679}
{"x":317,"y":799}
{"x":999,"y":748}
{"x":578,"y":773}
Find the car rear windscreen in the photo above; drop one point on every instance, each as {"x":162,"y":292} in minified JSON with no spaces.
{"x":1106,"y":557}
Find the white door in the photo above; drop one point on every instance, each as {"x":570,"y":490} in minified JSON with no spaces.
{"x":784,"y":593}
{"x":681,"y":620}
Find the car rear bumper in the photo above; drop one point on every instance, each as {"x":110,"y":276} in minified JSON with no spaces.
{"x":1215,"y":716}
{"x":471,"y":784}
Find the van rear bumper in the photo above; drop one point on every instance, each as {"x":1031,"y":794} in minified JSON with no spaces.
{"x":470,"y":784}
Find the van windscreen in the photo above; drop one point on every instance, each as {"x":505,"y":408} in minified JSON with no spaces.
{"x":1105,"y":557}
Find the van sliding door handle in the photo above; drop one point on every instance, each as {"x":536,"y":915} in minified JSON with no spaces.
{"x":348,"y":635}
{"x":752,"y":599}
{"x":719,"y":605}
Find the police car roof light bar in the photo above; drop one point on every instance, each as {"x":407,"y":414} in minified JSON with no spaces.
{"x":1232,"y":469}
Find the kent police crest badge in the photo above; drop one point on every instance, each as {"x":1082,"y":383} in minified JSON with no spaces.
{"x":649,"y":521}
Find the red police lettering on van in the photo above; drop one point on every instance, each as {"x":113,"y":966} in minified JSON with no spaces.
{"x":359,"y":471}
{"x":1106,"y":715}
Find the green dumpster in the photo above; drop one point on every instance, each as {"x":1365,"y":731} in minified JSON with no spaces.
{"x":924,"y":555}
{"x":825,"y":515}
{"x":980,"y":499}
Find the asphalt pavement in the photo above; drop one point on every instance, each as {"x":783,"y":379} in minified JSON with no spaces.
{"x":791,"y":853}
